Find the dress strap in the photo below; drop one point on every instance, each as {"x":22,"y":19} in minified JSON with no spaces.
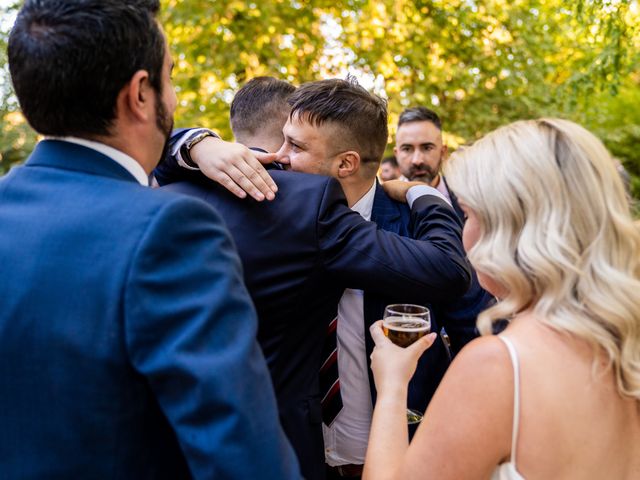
{"x":516,"y":395}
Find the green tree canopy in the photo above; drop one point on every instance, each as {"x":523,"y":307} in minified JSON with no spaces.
{"x":480,"y":64}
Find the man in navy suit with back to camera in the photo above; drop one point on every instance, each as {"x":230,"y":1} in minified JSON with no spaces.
{"x":127,"y":338}
{"x":301,"y":250}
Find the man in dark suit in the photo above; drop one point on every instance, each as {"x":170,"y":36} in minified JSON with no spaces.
{"x":127,"y":339}
{"x":303,"y":249}
{"x":421,"y":152}
{"x":393,"y":216}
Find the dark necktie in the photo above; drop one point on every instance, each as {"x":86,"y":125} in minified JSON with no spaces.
{"x":329,"y":381}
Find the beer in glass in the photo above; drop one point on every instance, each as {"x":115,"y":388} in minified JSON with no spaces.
{"x":404,"y":324}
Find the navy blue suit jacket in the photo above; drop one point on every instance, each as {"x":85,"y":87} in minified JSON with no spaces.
{"x":300,"y":252}
{"x":127,"y":338}
{"x":459,"y":317}
{"x":394,"y":217}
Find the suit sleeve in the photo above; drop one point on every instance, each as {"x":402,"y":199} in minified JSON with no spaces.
{"x":431,"y":267}
{"x":191,"y":331}
{"x":169,"y":171}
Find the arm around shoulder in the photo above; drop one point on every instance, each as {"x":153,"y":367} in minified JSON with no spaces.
{"x":429,"y":267}
{"x":172,"y":167}
{"x":434,"y":220}
{"x":199,"y":155}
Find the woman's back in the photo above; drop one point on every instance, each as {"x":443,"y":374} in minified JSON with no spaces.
{"x":573,"y":421}
{"x":550,"y":234}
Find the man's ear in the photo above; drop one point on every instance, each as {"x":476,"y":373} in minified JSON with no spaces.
{"x":445,"y":150}
{"x":349,"y":163}
{"x":136,"y":99}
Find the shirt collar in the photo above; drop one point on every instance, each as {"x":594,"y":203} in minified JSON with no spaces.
{"x":121,"y":158}
{"x":365,"y":204}
{"x":442,"y":188}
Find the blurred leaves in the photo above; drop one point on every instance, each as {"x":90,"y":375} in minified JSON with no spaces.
{"x":16,"y":137}
{"x":480,"y":64}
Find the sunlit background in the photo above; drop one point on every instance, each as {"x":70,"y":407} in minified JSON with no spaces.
{"x":478,"y":64}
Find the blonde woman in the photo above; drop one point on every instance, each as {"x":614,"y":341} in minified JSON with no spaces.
{"x":557,"y":394}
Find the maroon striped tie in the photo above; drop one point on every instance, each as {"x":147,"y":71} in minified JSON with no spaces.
{"x":329,"y":381}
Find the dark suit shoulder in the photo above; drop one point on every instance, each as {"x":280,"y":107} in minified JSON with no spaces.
{"x":296,"y":182}
{"x":303,"y":197}
{"x":390,"y":214}
{"x":156,"y":200}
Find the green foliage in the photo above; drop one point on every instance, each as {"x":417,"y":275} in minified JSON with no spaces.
{"x":16,"y":138}
{"x":617,"y":121}
{"x":486,"y":63}
{"x":220,"y":45}
{"x":480,"y":64}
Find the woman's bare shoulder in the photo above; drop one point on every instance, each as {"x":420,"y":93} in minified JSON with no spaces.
{"x":481,"y":374}
{"x":470,"y":414}
{"x":480,"y":379}
{"x":487,"y":353}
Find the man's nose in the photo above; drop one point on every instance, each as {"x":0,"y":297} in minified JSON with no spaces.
{"x":282,"y":155}
{"x":417,"y":158}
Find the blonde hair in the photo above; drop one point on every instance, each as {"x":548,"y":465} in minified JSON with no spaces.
{"x":557,"y":234}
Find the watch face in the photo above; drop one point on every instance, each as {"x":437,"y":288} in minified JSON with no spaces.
{"x":185,"y":150}
{"x":186,"y":158}
{"x":198,"y":138}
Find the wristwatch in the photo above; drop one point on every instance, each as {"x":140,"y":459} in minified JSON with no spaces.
{"x":185,"y":149}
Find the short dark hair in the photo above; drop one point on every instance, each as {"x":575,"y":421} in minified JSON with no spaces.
{"x":419,"y":114}
{"x":258,"y":101}
{"x":361,"y":116}
{"x":69,"y":59}
{"x":391,"y":160}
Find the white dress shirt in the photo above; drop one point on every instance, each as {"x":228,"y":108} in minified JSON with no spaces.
{"x":442,"y":188}
{"x":420,"y":190}
{"x":346,"y":438}
{"x":121,"y":158}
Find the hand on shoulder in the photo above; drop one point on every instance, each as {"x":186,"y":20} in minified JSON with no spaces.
{"x":235,"y":167}
{"x":397,"y":189}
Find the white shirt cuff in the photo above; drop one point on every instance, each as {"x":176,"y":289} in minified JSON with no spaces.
{"x":420,"y":190}
{"x":175,"y":149}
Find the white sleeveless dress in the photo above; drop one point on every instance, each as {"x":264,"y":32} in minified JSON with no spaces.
{"x":507,"y":470}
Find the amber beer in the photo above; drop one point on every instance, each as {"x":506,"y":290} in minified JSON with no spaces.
{"x":404,"y":331}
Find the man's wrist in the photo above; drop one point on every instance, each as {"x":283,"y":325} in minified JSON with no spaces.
{"x":393,"y":393}
{"x":185,"y":150}
{"x":418,"y":191}
{"x":177,"y":150}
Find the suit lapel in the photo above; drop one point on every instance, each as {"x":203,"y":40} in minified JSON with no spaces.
{"x":73,"y":157}
{"x":454,"y":201}
{"x":385,"y":212}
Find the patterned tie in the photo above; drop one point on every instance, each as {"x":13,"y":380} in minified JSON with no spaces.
{"x":329,"y":382}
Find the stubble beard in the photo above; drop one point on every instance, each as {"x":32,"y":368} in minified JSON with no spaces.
{"x":164,"y":123}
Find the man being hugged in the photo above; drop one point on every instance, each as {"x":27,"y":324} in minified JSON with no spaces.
{"x":127,"y":338}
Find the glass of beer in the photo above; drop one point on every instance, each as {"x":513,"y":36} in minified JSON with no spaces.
{"x":403,"y":324}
